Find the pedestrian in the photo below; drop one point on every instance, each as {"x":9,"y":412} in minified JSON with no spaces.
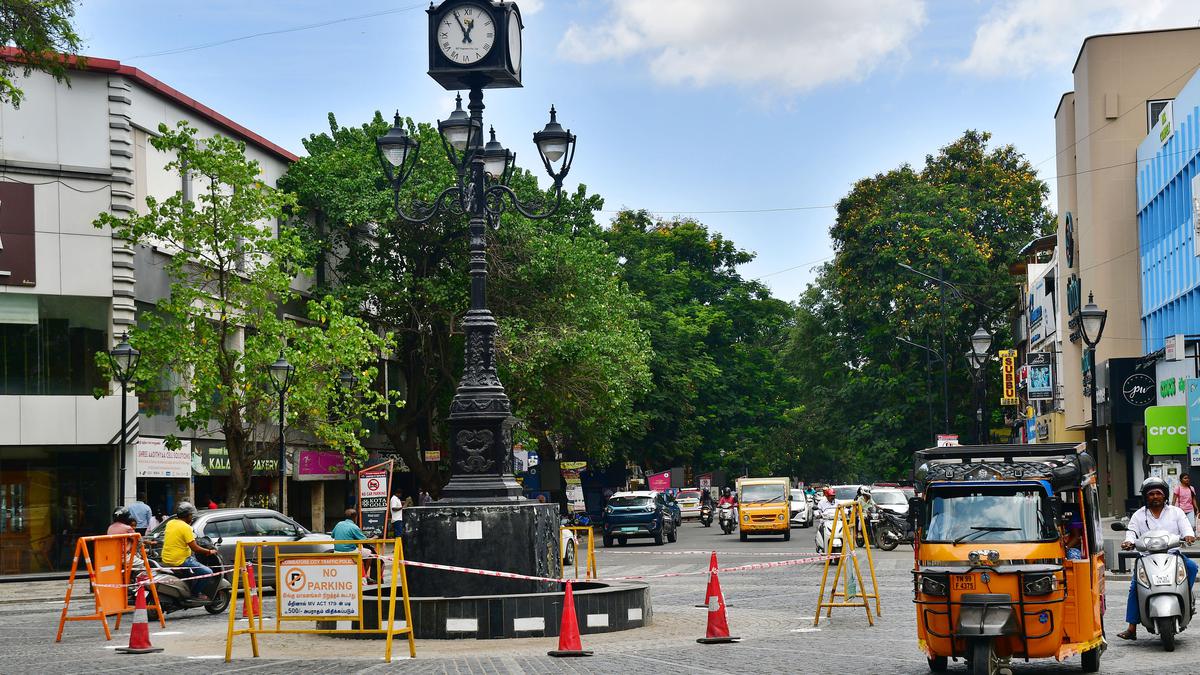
{"x":122,"y":522}
{"x":141,"y":513}
{"x":212,"y":505}
{"x":347,"y":530}
{"x":397,"y":506}
{"x":1184,"y":496}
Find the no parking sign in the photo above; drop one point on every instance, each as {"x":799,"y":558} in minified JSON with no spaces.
{"x":374,"y":486}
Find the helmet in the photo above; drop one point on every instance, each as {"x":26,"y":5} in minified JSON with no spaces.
{"x":725,"y":492}
{"x":1154,"y":483}
{"x":122,"y":515}
{"x":865,"y":490}
{"x":829,"y":492}
{"x":184,"y":509}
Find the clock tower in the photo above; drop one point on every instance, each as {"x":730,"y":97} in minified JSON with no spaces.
{"x":475,"y":44}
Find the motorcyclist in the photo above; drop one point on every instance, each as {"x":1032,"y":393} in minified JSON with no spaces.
{"x":706,"y":498}
{"x":180,"y":548}
{"x":864,"y":499}
{"x":826,"y":506}
{"x":123,"y":522}
{"x":1157,"y":514}
{"x":726,"y":498}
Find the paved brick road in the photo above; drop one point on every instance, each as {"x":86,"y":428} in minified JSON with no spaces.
{"x":771,"y":609}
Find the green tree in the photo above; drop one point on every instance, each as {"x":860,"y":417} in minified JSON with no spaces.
{"x":571,"y":355}
{"x":967,"y":213}
{"x":42,"y":31}
{"x":214,"y":336}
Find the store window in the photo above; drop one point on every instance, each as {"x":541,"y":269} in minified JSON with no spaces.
{"x":48,"y":344}
{"x":49,"y":497}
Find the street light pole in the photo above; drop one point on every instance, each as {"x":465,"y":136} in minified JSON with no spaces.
{"x":124,"y":360}
{"x":281,"y":373}
{"x":1092,"y":320}
{"x":981,"y":342}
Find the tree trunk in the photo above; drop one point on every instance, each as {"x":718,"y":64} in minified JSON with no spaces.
{"x":241,"y":466}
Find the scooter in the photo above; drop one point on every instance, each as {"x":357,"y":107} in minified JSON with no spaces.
{"x":726,"y":518}
{"x":822,"y":538}
{"x":706,"y":515}
{"x":1163,"y":595}
{"x":175,"y":594}
{"x":892,"y":530}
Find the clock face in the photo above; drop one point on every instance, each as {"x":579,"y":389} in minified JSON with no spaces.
{"x":514,"y":42}
{"x":466,"y":33}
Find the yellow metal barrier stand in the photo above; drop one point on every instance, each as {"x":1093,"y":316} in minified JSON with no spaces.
{"x":591,"y":568}
{"x":840,"y":518}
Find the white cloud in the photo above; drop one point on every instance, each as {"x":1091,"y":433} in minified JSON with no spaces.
{"x":530,"y":7}
{"x":1020,"y":37}
{"x":796,"y":44}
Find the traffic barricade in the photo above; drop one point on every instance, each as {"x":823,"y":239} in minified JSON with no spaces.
{"x":324,"y":587}
{"x":591,"y":570}
{"x":109,"y":575}
{"x":847,"y":574}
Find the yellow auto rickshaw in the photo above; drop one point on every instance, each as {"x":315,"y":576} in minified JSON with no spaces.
{"x":1009,"y":560}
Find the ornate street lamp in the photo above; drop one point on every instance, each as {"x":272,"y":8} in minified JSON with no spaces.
{"x":281,"y":373}
{"x":1092,"y":320}
{"x":981,"y":342}
{"x":124,"y":360}
{"x":480,"y":414}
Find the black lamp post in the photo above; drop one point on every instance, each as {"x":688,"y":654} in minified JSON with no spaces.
{"x":480,"y":414}
{"x":124,"y":360}
{"x":1092,"y":320}
{"x":281,"y":378}
{"x":981,"y":342}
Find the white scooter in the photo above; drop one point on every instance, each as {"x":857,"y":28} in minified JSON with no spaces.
{"x":1163,"y":595}
{"x":821,"y":538}
{"x":727,"y":519}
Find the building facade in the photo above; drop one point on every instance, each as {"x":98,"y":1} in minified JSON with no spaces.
{"x":1121,"y":83}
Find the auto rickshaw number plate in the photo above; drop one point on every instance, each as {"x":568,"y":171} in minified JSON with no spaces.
{"x":964,"y":582}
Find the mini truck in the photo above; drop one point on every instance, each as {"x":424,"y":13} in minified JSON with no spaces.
{"x":763,"y":506}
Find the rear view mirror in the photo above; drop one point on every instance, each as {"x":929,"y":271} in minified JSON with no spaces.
{"x":1119,"y":526}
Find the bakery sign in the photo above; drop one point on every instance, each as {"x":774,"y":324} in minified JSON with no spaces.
{"x":17,"y":266}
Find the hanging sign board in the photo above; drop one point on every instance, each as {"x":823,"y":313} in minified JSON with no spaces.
{"x":947,"y":440}
{"x":374,"y":487}
{"x":319,"y":586}
{"x":659,"y":482}
{"x":1166,"y":430}
{"x":1041,"y":376}
{"x":1008,"y":371}
{"x":153,"y":459}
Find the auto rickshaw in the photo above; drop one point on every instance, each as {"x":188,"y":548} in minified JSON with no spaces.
{"x":1009,"y":560}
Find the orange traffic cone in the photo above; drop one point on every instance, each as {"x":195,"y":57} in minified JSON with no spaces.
{"x":250,"y":607}
{"x":718,"y":627}
{"x":568,"y":633}
{"x":139,"y":633}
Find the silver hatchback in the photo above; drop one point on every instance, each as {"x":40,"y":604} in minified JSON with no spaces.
{"x":226,"y":527}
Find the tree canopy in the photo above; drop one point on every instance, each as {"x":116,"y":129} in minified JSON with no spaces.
{"x":42,"y":30}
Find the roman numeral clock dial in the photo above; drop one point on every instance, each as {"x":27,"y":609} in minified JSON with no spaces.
{"x":466,"y":34}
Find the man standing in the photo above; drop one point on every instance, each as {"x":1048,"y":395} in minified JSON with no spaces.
{"x":397,"y":506}
{"x":180,"y":548}
{"x":1155,"y":515}
{"x":141,"y":513}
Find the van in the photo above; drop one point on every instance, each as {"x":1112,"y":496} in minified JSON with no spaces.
{"x":763,"y":505}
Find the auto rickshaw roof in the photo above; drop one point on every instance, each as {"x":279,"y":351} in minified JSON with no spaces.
{"x":1062,"y":464}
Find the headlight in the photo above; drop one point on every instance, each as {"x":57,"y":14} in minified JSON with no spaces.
{"x":1142,"y":577}
{"x":780,"y":517}
{"x":608,"y":509}
{"x":745,"y":517}
{"x":1041,"y":585}
{"x":1180,"y":572}
{"x":933,"y":585}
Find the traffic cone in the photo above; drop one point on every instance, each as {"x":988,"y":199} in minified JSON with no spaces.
{"x":718,"y":626}
{"x":139,"y":633}
{"x":568,"y":633}
{"x":250,"y":607}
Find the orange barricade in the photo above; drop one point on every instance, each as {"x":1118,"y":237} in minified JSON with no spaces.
{"x":109,"y":575}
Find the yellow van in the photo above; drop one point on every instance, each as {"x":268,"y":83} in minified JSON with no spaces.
{"x":763,"y":506}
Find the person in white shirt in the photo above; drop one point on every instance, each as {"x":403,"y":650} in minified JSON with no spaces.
{"x":397,"y":506}
{"x":1157,"y":514}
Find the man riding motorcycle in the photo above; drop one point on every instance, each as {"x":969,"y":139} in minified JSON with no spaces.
{"x":826,"y":506}
{"x":1157,"y":514}
{"x":726,"y":498}
{"x":179,"y":549}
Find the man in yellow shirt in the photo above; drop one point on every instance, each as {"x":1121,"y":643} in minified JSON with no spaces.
{"x":179,"y":549}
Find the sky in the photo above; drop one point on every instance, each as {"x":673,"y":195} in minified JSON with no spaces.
{"x":751,"y":116}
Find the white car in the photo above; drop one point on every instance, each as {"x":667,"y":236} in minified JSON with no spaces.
{"x":892,"y":499}
{"x":568,"y":543}
{"x":800,"y":509}
{"x":689,"y":503}
{"x":844,"y":494}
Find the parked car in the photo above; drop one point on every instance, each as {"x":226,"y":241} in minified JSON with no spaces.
{"x":568,"y":545}
{"x":226,"y":527}
{"x":801,"y":509}
{"x":642,"y":513}
{"x":891,"y":499}
{"x":689,"y":503}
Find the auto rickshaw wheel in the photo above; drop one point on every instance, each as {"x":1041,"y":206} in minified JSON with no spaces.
{"x":1091,"y":659}
{"x":982,"y":659}
{"x":937,"y":664}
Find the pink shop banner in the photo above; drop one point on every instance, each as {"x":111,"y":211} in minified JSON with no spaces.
{"x":660,"y":482}
{"x":319,"y":465}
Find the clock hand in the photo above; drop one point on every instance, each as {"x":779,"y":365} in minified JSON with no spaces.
{"x":470,"y":27}
{"x":461,"y":27}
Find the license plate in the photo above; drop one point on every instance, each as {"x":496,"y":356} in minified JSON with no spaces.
{"x":964,"y":582}
{"x":629,"y":529}
{"x":1162,"y":579}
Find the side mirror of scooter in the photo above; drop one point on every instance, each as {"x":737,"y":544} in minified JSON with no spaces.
{"x":1119,"y":526}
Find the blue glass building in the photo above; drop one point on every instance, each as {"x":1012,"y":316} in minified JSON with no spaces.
{"x":1169,"y":251}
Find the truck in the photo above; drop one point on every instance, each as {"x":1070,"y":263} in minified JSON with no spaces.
{"x":763,"y":505}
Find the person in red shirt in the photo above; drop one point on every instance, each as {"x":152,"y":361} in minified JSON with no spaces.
{"x":211,"y":504}
{"x":122,"y":522}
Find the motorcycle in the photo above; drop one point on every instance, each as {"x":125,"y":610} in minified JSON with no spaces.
{"x":891,"y":530}
{"x":1164,"y":596}
{"x":706,"y":515}
{"x":175,"y":594}
{"x":822,"y":537}
{"x":726,"y":518}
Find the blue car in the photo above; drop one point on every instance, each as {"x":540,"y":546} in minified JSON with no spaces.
{"x":638,"y":514}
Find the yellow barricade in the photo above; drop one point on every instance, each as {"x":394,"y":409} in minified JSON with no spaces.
{"x":591,"y":569}
{"x":850,"y":519}
{"x":323,"y":587}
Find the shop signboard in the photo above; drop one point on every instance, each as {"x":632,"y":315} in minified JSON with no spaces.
{"x":153,"y":459}
{"x":1008,"y":371}
{"x":319,"y":586}
{"x":1041,"y":376}
{"x":320,"y":465}
{"x":1194,"y":455}
{"x":1042,"y":320}
{"x":17,"y":259}
{"x":433,"y":455}
{"x":1193,"y":410}
{"x":1172,"y":381}
{"x":659,"y":482}
{"x":374,"y":487}
{"x":1031,"y":430}
{"x":573,"y":483}
{"x":1166,"y":430}
{"x":947,"y":440}
{"x":215,"y":462}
